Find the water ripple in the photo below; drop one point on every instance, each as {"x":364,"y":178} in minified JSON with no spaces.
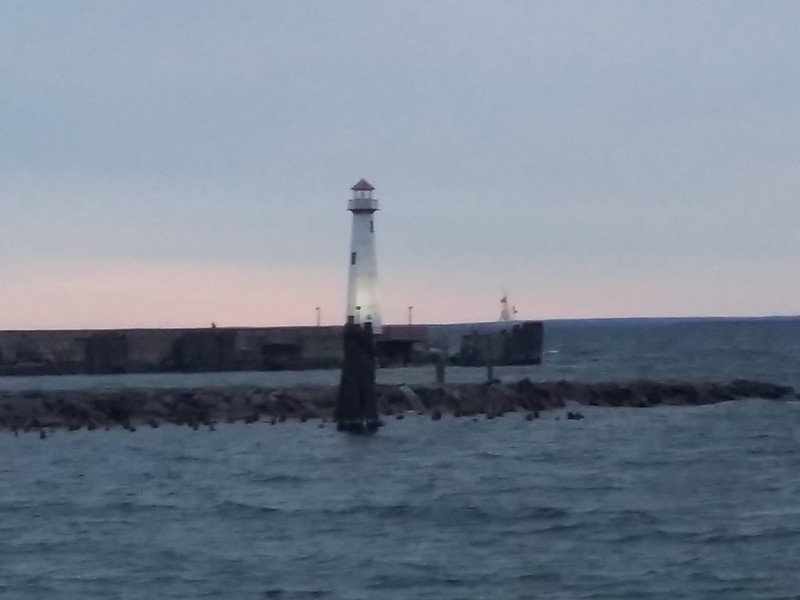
{"x":663,"y":503}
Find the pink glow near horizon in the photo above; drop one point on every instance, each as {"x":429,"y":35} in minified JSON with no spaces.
{"x":92,"y":295}
{"x":187,"y":294}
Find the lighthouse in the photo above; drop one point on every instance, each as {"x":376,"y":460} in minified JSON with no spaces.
{"x":362,"y":301}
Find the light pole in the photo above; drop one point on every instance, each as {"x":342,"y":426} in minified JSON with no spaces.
{"x":410,"y":312}
{"x":318,"y":316}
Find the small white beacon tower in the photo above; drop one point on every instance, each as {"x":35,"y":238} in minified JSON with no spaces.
{"x":362,"y":300}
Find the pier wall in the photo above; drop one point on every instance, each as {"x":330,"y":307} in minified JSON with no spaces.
{"x":253,"y":348}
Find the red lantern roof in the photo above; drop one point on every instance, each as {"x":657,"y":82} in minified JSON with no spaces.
{"x":362,"y":186}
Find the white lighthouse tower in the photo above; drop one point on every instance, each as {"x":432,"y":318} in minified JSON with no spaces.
{"x":362,"y":300}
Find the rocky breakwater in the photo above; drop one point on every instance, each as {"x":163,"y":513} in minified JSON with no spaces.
{"x":44,"y":411}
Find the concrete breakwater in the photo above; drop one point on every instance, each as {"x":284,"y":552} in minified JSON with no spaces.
{"x":215,"y":349}
{"x":42,"y":411}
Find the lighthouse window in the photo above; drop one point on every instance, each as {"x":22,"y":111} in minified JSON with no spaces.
{"x":352,"y":258}
{"x":371,"y":226}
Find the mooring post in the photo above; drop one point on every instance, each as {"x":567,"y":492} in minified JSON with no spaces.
{"x":440,"y":364}
{"x":489,"y":359}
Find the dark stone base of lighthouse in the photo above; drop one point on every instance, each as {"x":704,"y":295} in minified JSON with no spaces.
{"x":356,"y":408}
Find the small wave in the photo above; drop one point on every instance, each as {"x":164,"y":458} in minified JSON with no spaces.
{"x":387,"y":511}
{"x":547,"y":517}
{"x":128,"y":506}
{"x":647,"y":534}
{"x":180,"y":458}
{"x":234,"y":508}
{"x":767,"y":533}
{"x":545,"y":512}
{"x":552,"y":577}
{"x":38,"y":506}
{"x":282,"y":478}
{"x":281,"y":594}
{"x":634,"y":516}
{"x":437,"y":513}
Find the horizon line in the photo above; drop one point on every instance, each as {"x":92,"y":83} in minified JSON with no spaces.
{"x":773,"y":317}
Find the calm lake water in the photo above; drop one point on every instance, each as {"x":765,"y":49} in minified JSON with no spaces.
{"x":628,"y":503}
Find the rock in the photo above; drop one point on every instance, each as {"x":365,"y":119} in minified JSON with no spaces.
{"x":412,"y":399}
{"x":155,"y":409}
{"x":73,"y":410}
{"x":453,"y":402}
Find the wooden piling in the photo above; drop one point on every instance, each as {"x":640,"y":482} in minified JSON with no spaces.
{"x":440,"y":364}
{"x":489,"y":358}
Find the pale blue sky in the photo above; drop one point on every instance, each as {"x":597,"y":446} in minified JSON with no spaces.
{"x":173,"y":163}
